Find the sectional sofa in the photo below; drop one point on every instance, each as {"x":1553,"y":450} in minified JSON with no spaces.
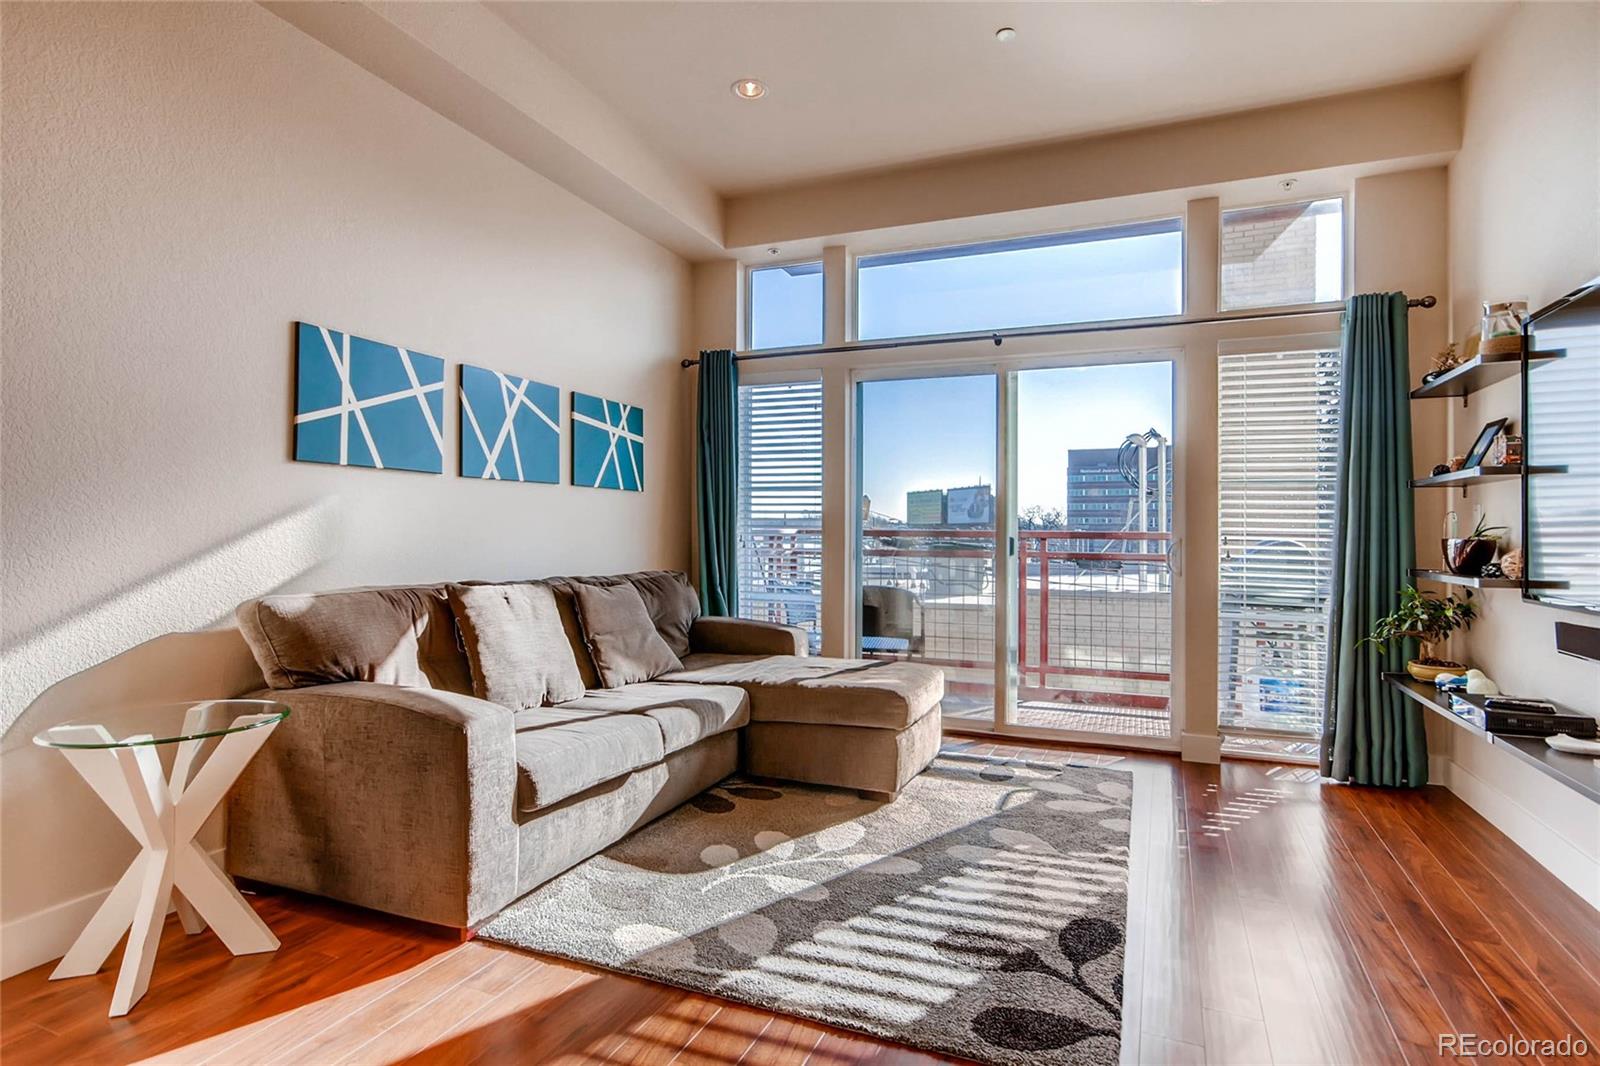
{"x":452,"y":747}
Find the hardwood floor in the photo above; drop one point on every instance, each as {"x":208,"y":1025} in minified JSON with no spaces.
{"x":1271,"y":919}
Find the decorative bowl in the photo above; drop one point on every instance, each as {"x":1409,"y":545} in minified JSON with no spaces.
{"x":1429,"y":673}
{"x":1467,"y":556}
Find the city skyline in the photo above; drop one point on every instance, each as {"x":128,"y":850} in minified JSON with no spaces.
{"x":939,"y":433}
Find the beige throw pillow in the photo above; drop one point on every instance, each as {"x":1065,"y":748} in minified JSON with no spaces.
{"x":622,"y":639}
{"x":519,"y":655}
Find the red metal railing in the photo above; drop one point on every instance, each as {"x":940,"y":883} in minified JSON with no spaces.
{"x":1144,"y":566}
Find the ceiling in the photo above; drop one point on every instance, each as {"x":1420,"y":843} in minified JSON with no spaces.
{"x":861,"y":86}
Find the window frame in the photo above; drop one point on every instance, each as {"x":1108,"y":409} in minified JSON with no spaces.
{"x":925,"y":250}
{"x":749,"y":299}
{"x":1346,"y":259}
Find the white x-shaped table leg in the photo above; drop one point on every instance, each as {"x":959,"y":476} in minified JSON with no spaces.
{"x":164,"y":818}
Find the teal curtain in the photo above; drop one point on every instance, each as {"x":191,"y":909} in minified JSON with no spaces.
{"x":718,"y":502}
{"x":1372,"y":734}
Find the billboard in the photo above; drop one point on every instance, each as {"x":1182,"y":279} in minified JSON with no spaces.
{"x":971,"y":506}
{"x":925,"y":507}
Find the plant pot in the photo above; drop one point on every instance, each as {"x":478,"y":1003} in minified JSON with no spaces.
{"x":1431,"y":673}
{"x":1467,"y":556}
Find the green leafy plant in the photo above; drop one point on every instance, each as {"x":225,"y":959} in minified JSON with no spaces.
{"x":1427,"y":617}
{"x":1481,"y":530}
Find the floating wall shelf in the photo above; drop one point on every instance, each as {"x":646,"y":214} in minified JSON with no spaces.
{"x":1581,"y":773}
{"x":1478,"y":372}
{"x":1445,"y":577}
{"x":1474,"y":475}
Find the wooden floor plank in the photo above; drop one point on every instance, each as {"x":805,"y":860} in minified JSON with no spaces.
{"x":1316,"y":999}
{"x":1171,"y":1004}
{"x":1410,"y":1005}
{"x":1466,"y":1000}
{"x":1271,"y":917}
{"x":1529,"y":1005}
{"x":1547,"y":956}
{"x":1559,"y":909}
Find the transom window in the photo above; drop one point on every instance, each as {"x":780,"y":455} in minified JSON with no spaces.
{"x":1119,"y":272}
{"x":786,"y":305}
{"x":1283,"y":255}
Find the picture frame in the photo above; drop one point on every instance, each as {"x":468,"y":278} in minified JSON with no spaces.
{"x":1481,"y":446}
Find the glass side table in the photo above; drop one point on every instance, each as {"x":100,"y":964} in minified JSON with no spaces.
{"x":116,"y":754}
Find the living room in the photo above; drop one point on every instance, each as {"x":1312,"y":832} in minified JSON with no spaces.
{"x":1028,"y":532}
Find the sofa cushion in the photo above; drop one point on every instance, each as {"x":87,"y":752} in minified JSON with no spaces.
{"x":871,"y":693}
{"x":561,"y":751}
{"x":686,"y":714}
{"x":671,"y":602}
{"x":621,"y":638}
{"x":519,"y":655}
{"x":404,"y":635}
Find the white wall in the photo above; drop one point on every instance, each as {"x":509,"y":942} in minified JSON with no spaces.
{"x":182,"y":183}
{"x":1525,"y":224}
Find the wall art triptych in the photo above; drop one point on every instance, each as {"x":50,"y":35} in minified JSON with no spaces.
{"x":359,"y":402}
{"x":510,"y":427}
{"x":607,"y":443}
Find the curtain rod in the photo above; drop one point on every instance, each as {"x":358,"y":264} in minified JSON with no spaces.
{"x":1056,"y":331}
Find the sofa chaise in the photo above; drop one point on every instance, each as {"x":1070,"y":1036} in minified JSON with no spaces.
{"x":412,"y":778}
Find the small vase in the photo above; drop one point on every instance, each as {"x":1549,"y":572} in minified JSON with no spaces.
{"x":1467,"y":556}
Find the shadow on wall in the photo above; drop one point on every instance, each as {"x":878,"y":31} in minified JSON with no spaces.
{"x":166,"y":639}
{"x":200,"y":593}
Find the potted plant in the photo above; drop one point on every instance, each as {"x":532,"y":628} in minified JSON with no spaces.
{"x":1430,"y":619}
{"x":1468,"y":555}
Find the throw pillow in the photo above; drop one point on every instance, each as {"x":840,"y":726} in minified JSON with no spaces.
{"x":622,"y":639}
{"x":519,"y":655}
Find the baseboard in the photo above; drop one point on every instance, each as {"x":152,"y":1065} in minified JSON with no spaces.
{"x":1575,"y":869}
{"x":1201,"y":747}
{"x":45,"y":935}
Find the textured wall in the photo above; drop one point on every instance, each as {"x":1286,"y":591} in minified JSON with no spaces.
{"x":1525,"y":223}
{"x":181,"y":183}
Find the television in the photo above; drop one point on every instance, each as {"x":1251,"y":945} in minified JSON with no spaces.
{"x":1561,"y":452}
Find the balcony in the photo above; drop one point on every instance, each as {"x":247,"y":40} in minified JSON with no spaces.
{"x":1094,"y":634}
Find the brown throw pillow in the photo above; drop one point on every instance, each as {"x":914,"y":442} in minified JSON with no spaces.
{"x":519,"y":655}
{"x":622,"y":639}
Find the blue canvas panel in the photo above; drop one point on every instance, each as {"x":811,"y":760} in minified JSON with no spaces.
{"x":607,"y":444}
{"x":510,"y":427}
{"x":362,"y":403}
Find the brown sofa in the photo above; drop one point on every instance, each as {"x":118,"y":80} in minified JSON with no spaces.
{"x":391,"y":786}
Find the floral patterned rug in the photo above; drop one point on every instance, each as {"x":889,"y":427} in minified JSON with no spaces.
{"x":981,"y":914}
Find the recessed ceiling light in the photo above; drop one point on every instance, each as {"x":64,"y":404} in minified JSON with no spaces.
{"x":1005,"y":33}
{"x":749,"y":89}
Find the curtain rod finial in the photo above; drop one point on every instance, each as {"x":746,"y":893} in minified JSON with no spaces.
{"x":687,"y":363}
{"x":1426,"y":301}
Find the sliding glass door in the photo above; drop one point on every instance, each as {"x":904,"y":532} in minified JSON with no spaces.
{"x":925,"y":549}
{"x":1094,"y":517}
{"x":1024,"y":518}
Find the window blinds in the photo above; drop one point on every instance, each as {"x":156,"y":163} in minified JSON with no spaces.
{"x":780,"y":504}
{"x":1277,"y":480}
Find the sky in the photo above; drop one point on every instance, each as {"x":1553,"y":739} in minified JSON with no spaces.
{"x":939,"y":433}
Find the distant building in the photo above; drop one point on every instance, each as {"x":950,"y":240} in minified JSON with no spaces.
{"x":970,"y":505}
{"x":925,"y":507}
{"x":1099,"y":497}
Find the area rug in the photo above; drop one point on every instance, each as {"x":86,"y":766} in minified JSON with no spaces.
{"x":981,"y":914}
